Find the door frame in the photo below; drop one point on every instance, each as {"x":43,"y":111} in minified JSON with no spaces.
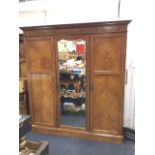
{"x":58,"y":106}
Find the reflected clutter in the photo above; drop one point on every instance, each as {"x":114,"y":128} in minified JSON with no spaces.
{"x":72,"y":80}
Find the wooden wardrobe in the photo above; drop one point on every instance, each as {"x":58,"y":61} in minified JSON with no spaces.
{"x":105,"y":70}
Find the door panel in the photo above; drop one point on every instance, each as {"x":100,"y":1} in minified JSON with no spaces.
{"x":106,"y":99}
{"x":40,"y":55}
{"x":42,"y":92}
{"x":41,"y":79}
{"x":106,"y":55}
{"x":107,"y":59}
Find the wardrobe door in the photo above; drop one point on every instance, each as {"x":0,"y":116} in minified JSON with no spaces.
{"x":73,"y":81}
{"x":41,"y":79}
{"x":107,"y":82}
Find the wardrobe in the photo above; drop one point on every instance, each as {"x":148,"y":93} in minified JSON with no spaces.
{"x":76,"y":78}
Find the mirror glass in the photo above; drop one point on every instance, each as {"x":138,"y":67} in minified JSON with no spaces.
{"x":72,"y":81}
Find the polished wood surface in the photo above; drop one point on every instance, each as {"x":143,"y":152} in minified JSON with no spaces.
{"x":79,"y":133}
{"x":23,"y":69}
{"x":106,"y":104}
{"x":106,"y":51}
{"x":78,"y":29}
{"x":43,"y":98}
{"x":107,"y":55}
{"x":40,"y":58}
{"x":41,"y":77}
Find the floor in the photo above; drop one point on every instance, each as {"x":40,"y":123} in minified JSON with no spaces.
{"x":59,"y":145}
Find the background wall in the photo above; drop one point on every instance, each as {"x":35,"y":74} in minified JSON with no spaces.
{"x":66,"y":11}
{"x":46,"y":12}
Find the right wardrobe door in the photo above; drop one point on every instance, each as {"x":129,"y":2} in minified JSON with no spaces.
{"x":107,"y":82}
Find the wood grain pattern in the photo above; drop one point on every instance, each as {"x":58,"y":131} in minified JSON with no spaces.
{"x":41,"y":79}
{"x":77,"y":28}
{"x":83,"y":134}
{"x":42,"y":93}
{"x":40,"y":58}
{"x":106,"y":103}
{"x":106,"y":78}
{"x":23,"y":69}
{"x":106,"y":51}
{"x":106,"y":54}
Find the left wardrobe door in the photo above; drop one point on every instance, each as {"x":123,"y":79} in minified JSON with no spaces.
{"x":41,"y":79}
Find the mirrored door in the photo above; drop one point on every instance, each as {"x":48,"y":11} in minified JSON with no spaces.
{"x":72,"y":81}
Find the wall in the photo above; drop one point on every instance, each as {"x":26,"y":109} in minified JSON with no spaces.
{"x":128,"y":11}
{"x":42,"y":12}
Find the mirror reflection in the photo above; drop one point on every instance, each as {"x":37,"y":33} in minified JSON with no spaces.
{"x":72,"y":80}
